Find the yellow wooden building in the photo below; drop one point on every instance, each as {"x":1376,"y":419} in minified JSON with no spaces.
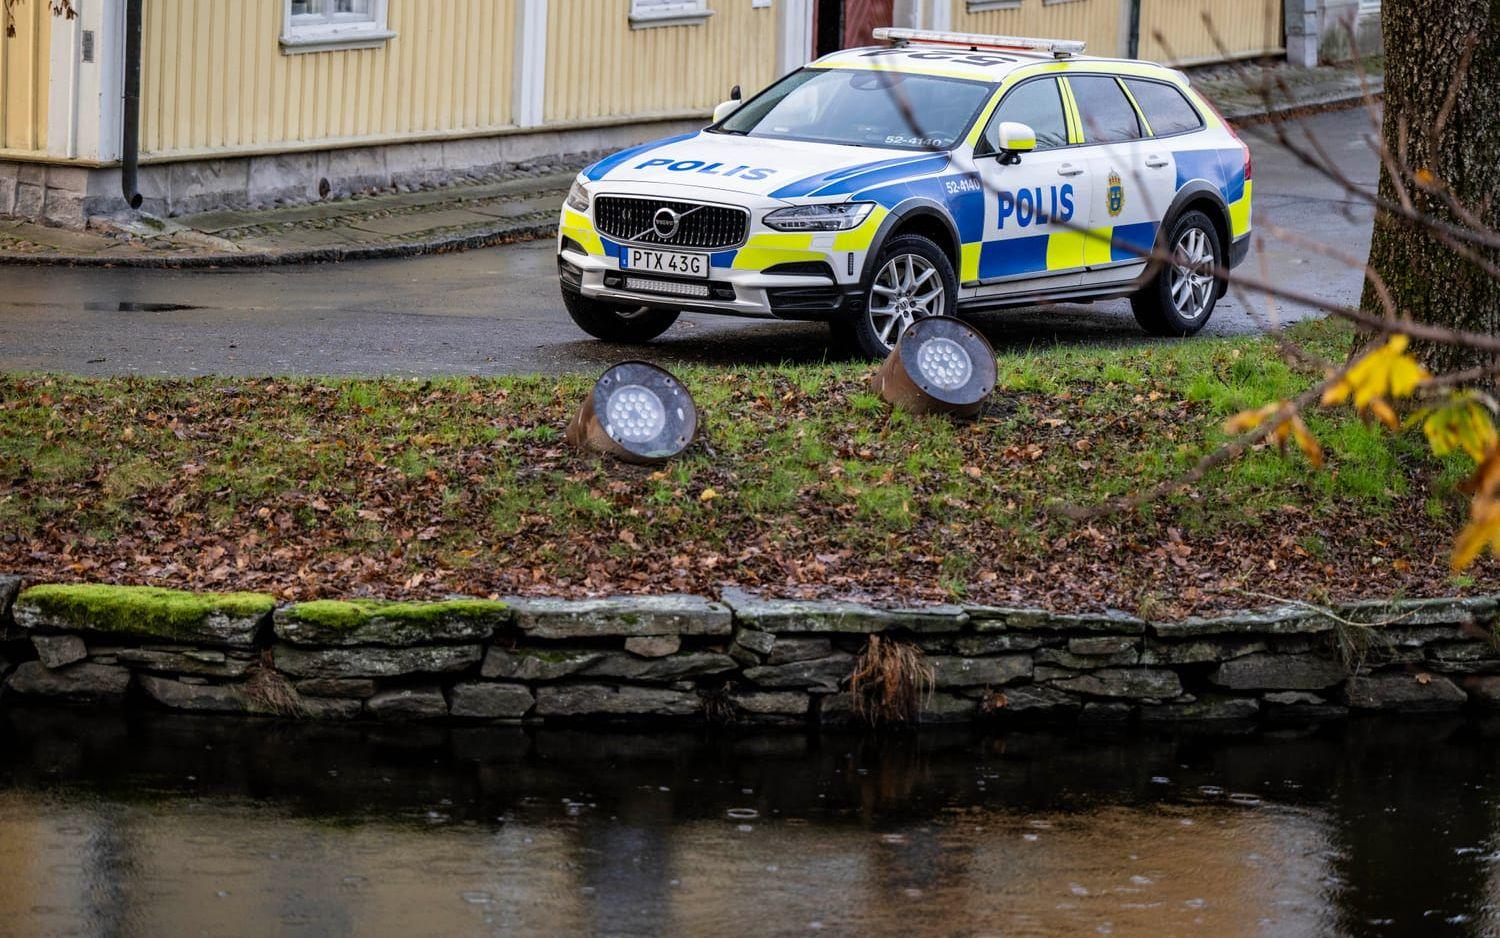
{"x":256,"y":102}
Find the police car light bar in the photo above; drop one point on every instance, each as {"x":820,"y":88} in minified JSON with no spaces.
{"x":1060,"y":48}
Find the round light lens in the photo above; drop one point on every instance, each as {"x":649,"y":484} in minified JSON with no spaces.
{"x":636,"y":414}
{"x":945,"y":363}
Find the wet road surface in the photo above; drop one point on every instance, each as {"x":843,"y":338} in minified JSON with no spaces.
{"x":497,"y":311}
{"x":158,"y":824}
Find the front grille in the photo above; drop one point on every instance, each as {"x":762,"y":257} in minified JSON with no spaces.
{"x":701,"y":226}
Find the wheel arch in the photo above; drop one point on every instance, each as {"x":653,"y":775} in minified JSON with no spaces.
{"x":920,"y":217}
{"x":1204,"y":197}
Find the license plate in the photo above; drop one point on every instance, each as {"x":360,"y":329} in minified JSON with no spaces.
{"x":666,"y":262}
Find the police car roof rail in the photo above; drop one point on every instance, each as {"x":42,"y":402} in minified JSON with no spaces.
{"x":1060,"y":48}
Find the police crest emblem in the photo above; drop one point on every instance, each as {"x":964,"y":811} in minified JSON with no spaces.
{"x":1116,"y":194}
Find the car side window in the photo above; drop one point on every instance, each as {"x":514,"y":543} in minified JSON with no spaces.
{"x":1104,"y":110}
{"x":1037,"y":104}
{"x":1167,"y":109}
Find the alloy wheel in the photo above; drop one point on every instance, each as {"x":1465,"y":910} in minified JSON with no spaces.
{"x":1192,"y":281}
{"x":907,"y":288}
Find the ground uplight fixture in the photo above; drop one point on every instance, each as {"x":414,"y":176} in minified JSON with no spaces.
{"x":636,"y":412}
{"x":940,"y":365}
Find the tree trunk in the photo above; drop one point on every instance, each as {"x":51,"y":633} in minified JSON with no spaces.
{"x":1424,"y":43}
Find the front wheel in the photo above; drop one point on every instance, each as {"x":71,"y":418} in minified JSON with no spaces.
{"x":615,"y":322}
{"x":1181,"y":297}
{"x":913,"y":280}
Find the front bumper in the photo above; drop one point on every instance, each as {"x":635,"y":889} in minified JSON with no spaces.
{"x":749,"y":293}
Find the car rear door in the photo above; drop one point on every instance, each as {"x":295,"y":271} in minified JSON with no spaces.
{"x":1031,"y":208}
{"x":1134,"y":179}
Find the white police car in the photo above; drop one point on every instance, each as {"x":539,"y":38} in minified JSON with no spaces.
{"x":941,"y":174}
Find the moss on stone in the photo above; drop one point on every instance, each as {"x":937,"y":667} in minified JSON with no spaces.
{"x":140,"y":610}
{"x":349,"y":614}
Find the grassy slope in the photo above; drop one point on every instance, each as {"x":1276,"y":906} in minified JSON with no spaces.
{"x":802,"y":482}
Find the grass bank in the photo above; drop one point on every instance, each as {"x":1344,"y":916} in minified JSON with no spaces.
{"x":802,"y":483}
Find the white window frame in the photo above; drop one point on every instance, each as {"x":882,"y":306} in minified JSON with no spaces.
{"x":648,"y":14}
{"x":331,"y":32}
{"x":984,"y":6}
{"x":1369,"y":7}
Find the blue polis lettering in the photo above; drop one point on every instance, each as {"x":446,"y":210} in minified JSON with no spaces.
{"x":1027,"y":206}
{"x":713,"y":169}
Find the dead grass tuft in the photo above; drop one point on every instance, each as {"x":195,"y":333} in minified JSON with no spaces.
{"x":890,"y":681}
{"x":269,"y":692}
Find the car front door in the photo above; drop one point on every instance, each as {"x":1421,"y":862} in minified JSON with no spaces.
{"x":1033,"y":208}
{"x":1134,"y":179}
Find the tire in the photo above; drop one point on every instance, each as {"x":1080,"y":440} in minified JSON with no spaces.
{"x":613,"y":322}
{"x":1180,"y":298}
{"x":872,"y":332}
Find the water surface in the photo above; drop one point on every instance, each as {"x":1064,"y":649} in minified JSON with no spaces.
{"x":164,"y":825}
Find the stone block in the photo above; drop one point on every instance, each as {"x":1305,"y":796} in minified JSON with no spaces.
{"x":623,"y":616}
{"x":485,"y":700}
{"x":195,"y":698}
{"x":232,"y":620}
{"x":415,"y":164}
{"x":34,"y":174}
{"x":397,"y":625}
{"x":939,"y":707}
{"x":821,"y":675}
{"x":10,"y":587}
{"x":409,"y":703}
{"x":57,"y":651}
{"x":1105,"y":646}
{"x":1066,"y":659}
{"x":473,"y":155}
{"x":284,"y":177}
{"x":772,"y":703}
{"x":1007,"y":618}
{"x":30,"y":201}
{"x":760,"y":643}
{"x":782,"y":616}
{"x":654,"y":646}
{"x":1210,"y":708}
{"x":1137,"y":683}
{"x":627,"y":667}
{"x":7,"y":195}
{"x":788,"y":650}
{"x":995,"y":643}
{"x":1098,"y":712}
{"x":1199,"y":651}
{"x":1408,"y":613}
{"x":1403,"y":691}
{"x":182,"y":659}
{"x":979,"y":672}
{"x":73,"y":180}
{"x":332,"y":708}
{"x":356,"y":169}
{"x":1034,"y":699}
{"x":1301,"y":706}
{"x":79,"y":683}
{"x":1279,"y":672}
{"x":584,"y":700}
{"x":537,"y":664}
{"x":356,"y":688}
{"x":1277,"y":620}
{"x":201,"y":185}
{"x":376,"y":662}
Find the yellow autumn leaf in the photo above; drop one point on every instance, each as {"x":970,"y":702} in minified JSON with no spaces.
{"x":1483,"y":530}
{"x":1306,"y":441}
{"x":1461,"y":424}
{"x":1382,"y":411}
{"x":708,"y":495}
{"x":1385,"y":372}
{"x":1247,"y":420}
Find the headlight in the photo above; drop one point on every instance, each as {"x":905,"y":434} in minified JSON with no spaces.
{"x":578,"y":198}
{"x":840,"y":217}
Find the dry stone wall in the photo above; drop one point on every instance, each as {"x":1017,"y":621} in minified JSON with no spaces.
{"x":739,"y":660}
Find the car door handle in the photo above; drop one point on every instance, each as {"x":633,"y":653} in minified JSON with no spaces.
{"x":1068,"y":169}
{"x":1156,"y":162}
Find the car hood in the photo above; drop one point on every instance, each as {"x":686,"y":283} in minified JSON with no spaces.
{"x":781,"y":169}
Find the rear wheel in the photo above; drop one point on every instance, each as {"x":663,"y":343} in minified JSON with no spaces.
{"x":1181,"y":297}
{"x":617,"y":322}
{"x":913,"y":280}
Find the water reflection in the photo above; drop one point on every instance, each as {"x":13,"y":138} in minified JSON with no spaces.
{"x":165,"y":825}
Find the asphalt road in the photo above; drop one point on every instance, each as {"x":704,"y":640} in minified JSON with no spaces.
{"x":497,"y":311}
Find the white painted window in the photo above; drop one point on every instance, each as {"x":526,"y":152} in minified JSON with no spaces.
{"x":982,"y":6}
{"x":1369,"y":7}
{"x":644,"y":13}
{"x":325,"y":25}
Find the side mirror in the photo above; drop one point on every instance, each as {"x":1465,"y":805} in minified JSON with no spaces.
{"x":725,"y":109}
{"x":1012,"y":140}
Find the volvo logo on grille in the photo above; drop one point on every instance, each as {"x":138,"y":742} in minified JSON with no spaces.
{"x":664,"y":223}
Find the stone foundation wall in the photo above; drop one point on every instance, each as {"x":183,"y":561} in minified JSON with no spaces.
{"x":741,"y":660}
{"x":69,"y":195}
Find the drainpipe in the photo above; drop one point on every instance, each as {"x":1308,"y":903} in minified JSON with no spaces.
{"x":130,"y":142}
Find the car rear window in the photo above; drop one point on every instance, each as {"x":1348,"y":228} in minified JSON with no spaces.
{"x":1105,"y":111}
{"x":1167,"y":109}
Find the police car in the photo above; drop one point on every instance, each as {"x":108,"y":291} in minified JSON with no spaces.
{"x":941,"y":174}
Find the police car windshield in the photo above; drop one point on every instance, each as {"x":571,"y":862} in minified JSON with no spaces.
{"x":862,"y":107}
